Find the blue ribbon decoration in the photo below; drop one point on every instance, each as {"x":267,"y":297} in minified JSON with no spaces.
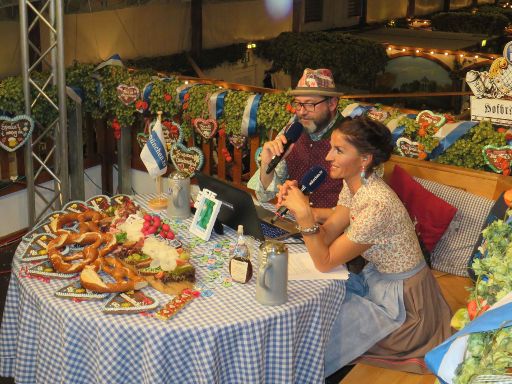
{"x":446,"y":141}
{"x":146,"y":92}
{"x":248,"y":127}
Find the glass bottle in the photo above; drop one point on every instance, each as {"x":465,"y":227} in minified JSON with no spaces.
{"x":240,"y":266}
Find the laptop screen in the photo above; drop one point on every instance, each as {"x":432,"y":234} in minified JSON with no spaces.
{"x":237,"y":205}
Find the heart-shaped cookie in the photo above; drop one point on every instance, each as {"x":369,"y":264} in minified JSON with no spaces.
{"x":498,"y":159}
{"x":99,"y":202}
{"x":408,"y":148}
{"x":205,"y":127}
{"x":127,"y":93}
{"x":378,"y":115}
{"x":45,"y":269}
{"x":130,"y":302}
{"x":37,"y":249}
{"x":76,"y":206}
{"x":14,"y":132}
{"x":187,"y":160}
{"x":430,"y":118}
{"x":75,"y":290}
{"x":237,"y":141}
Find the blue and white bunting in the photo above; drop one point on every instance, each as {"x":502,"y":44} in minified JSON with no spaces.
{"x":216,"y":104}
{"x":449,"y":134}
{"x":248,"y":127}
{"x":444,"y":359}
{"x":354,"y":110}
{"x":182,"y":90}
{"x":74,"y":93}
{"x":395,"y":129}
{"x":154,"y":153}
{"x":114,"y":60}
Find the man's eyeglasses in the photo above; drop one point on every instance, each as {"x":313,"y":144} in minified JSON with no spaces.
{"x":309,"y":107}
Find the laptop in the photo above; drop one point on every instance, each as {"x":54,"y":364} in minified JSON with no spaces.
{"x":238,"y":208}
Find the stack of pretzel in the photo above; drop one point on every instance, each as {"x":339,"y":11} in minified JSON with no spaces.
{"x":93,"y":257}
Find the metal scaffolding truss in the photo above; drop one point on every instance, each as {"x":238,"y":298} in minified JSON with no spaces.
{"x":48,"y":17}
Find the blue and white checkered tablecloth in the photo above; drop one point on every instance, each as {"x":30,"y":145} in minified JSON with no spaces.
{"x":227,"y":337}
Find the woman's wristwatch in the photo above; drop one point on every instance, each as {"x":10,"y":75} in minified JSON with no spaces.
{"x":309,"y":230}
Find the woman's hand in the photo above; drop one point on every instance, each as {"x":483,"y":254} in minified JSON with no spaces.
{"x":292,"y":198}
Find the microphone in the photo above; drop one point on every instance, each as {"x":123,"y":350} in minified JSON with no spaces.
{"x":292,"y":134}
{"x":310,"y":181}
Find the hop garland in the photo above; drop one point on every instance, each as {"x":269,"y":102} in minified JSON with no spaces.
{"x":274,"y":112}
{"x":467,"y":151}
{"x":196,"y":106}
{"x":163,"y":97}
{"x":234,"y":105}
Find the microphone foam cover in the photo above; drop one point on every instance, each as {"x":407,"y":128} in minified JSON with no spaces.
{"x":313,"y":178}
{"x":293,"y":132}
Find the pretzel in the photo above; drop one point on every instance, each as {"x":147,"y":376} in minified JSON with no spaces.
{"x":88,"y":221}
{"x":91,"y":240}
{"x":125,"y":279}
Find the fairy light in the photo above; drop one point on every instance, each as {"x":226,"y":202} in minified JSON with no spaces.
{"x":476,"y":56}
{"x":461,"y":55}
{"x":446,"y":53}
{"x":417,"y":51}
{"x":431,"y":52}
{"x":403,"y":49}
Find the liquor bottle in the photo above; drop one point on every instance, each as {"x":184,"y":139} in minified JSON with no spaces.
{"x":240,"y":266}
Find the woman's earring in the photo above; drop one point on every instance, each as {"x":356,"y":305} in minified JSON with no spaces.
{"x":363,"y":176}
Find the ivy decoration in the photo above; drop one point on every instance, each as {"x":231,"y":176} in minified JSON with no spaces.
{"x":234,"y":106}
{"x":196,"y":106}
{"x":163,"y":97}
{"x":274,"y":112}
{"x":467,"y":150}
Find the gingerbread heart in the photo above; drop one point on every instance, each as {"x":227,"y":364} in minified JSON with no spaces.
{"x":130,"y":302}
{"x":14,"y":132}
{"x":45,"y":269}
{"x":76,"y":206}
{"x":378,"y":115}
{"x":127,"y":93}
{"x":37,"y":249}
{"x":205,"y":127}
{"x":498,"y":159}
{"x":172,"y":133}
{"x":430,"y":118}
{"x":237,"y":141}
{"x":408,"y":148}
{"x":99,"y":202}
{"x":75,"y":290}
{"x":187,"y":160}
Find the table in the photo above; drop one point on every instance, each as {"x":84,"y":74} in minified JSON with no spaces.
{"x":225,"y":336}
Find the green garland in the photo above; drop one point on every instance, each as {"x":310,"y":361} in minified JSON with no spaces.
{"x":164,"y":98}
{"x":234,"y":105}
{"x":196,"y":105}
{"x":274,"y":112}
{"x":470,"y":145}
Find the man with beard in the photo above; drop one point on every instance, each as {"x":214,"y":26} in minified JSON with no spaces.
{"x":315,"y":105}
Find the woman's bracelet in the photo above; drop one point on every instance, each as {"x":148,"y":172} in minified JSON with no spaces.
{"x":309,"y":230}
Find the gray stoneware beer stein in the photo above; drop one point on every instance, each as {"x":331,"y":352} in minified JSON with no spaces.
{"x":179,"y":196}
{"x":272,"y":281}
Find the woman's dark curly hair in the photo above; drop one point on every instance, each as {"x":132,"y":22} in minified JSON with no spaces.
{"x":368,"y":136}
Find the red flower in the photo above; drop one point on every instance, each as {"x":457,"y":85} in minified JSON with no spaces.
{"x":185,"y":105}
{"x":222,"y":132}
{"x":167,"y":124}
{"x":167,"y":97}
{"x":289,"y":108}
{"x":186,"y":97}
{"x":141,"y":104}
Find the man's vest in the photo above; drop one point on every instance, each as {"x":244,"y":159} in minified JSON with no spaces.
{"x":307,"y":153}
